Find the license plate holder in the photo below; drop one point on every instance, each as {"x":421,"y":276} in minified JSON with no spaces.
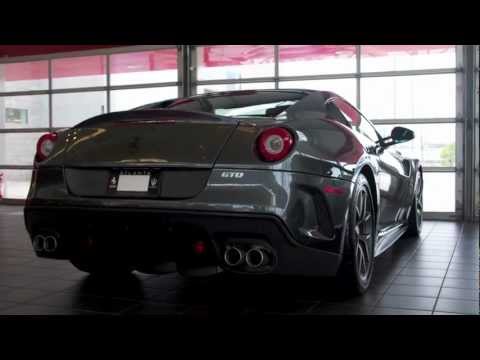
{"x":134,"y":182}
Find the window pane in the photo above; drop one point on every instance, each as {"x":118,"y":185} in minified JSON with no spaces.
{"x":121,"y":100}
{"x":234,"y":62}
{"x":79,"y":72}
{"x":439,"y":192}
{"x":202,"y":89}
{"x":434,"y":144}
{"x":24,"y":112}
{"x":14,"y":184}
{"x":24,"y":76}
{"x":316,"y":59}
{"x":71,"y":108}
{"x":406,"y":57}
{"x":144,"y":67}
{"x":346,"y":88}
{"x":18,"y":148}
{"x":399,"y":97}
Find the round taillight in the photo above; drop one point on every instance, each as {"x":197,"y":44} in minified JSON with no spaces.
{"x":274,"y":144}
{"x":45,"y":146}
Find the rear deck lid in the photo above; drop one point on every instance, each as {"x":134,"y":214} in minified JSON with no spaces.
{"x":148,"y":138}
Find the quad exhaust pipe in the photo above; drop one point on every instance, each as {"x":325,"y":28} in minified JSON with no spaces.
{"x":255,"y":257}
{"x":39,"y":242}
{"x":233,"y":256}
{"x":48,"y":243}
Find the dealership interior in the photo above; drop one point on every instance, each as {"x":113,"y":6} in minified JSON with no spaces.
{"x":430,"y":89}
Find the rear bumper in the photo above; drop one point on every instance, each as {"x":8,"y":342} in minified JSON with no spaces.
{"x":156,"y":233}
{"x":292,"y":212}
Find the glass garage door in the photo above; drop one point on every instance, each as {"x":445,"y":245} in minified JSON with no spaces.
{"x":414,"y":86}
{"x":54,"y":93}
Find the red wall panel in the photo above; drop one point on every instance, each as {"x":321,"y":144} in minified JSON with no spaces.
{"x":92,"y":65}
{"x":29,"y":50}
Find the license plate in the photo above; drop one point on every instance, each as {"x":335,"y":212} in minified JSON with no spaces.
{"x":127,"y":182}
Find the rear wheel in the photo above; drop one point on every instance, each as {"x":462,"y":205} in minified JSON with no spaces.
{"x":357,"y":267}
{"x":415,"y":219}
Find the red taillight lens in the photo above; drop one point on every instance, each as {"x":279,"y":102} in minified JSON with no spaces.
{"x":274,"y":144}
{"x":45,"y":146}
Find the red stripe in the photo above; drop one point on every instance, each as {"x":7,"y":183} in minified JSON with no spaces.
{"x":165,"y":59}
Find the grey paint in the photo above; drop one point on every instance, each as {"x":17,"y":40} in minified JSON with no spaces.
{"x":326,"y":153}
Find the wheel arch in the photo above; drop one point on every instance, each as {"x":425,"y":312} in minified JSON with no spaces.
{"x":418,"y":169}
{"x":367,"y":171}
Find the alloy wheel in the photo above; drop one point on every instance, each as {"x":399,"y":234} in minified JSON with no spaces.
{"x":363,"y":233}
{"x":419,"y":205}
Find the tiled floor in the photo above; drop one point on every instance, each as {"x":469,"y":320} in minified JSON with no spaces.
{"x":434,"y":274}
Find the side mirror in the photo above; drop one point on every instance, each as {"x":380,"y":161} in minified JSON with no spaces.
{"x":398,"y":135}
{"x":401,"y":134}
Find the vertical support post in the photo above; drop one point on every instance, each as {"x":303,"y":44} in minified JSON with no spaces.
{"x":180,"y":76}
{"x":107,"y":70}
{"x":185,"y":73}
{"x":476,"y":130}
{"x":459,"y":133}
{"x":468,"y":131}
{"x":193,"y":66}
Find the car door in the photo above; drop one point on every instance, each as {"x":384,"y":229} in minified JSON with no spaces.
{"x":392,"y":181}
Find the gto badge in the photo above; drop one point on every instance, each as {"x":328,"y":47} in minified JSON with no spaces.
{"x":232,"y":174}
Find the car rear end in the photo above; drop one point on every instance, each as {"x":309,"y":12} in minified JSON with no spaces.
{"x":196,"y":190}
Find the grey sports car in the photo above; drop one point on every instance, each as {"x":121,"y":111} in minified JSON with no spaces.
{"x":289,"y":182}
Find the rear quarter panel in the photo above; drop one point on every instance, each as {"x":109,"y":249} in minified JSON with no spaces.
{"x":322,"y":147}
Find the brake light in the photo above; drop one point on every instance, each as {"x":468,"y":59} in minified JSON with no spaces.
{"x":45,"y":146}
{"x":274,"y":144}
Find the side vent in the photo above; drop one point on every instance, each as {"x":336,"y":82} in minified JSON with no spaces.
{"x":407,"y":167}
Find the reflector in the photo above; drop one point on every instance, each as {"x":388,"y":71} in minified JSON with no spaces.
{"x":199,"y":247}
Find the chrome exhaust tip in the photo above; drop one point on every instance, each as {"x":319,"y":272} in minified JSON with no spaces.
{"x":233,"y":256}
{"x":50,"y":244}
{"x":38,"y":243}
{"x":256,"y":257}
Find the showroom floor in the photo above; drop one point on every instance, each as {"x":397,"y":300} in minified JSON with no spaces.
{"x":434,"y":274}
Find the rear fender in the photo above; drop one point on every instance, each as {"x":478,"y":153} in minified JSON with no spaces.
{"x":366,"y":164}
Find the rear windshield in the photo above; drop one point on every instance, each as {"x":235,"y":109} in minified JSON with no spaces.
{"x":240,"y":104}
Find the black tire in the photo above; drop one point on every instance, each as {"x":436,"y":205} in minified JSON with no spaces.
{"x":357,"y":267}
{"x":415,"y":218}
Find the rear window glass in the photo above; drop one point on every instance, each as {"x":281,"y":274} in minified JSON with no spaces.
{"x":241,"y":104}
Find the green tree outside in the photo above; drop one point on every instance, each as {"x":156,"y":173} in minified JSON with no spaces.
{"x":447,"y":155}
